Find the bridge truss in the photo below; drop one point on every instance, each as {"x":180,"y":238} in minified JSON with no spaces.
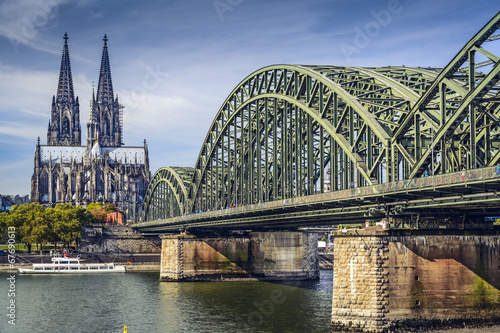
{"x":289,"y":131}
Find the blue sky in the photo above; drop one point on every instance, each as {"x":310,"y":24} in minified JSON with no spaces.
{"x":173,"y":63}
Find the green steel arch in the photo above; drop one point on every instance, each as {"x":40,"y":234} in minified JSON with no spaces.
{"x":467,"y":121}
{"x":284,"y":127}
{"x":166,"y":194}
{"x":293,"y":130}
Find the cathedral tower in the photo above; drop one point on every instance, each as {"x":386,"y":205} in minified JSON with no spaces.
{"x":103,"y":170}
{"x":105,"y":123}
{"x":64,"y":125}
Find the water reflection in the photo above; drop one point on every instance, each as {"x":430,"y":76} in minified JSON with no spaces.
{"x":97,"y":303}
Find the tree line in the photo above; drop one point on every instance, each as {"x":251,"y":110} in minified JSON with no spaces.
{"x":64,"y":223}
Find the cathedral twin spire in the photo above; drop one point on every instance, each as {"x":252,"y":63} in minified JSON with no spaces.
{"x":65,"y":86}
{"x":105,"y":87}
{"x":105,"y":119}
{"x":64,"y":126}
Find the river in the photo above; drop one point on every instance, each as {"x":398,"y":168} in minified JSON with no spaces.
{"x":107,"y":303}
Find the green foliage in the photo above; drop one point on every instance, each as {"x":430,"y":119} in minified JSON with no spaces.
{"x":36,"y":225}
{"x":100,"y":215}
{"x":69,"y":222}
{"x":101,"y":212}
{"x":4,"y":223}
{"x":110,"y":208}
{"x":323,"y":239}
{"x":94,"y":205}
{"x":29,"y":222}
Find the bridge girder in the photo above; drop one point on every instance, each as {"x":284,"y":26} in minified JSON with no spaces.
{"x":166,"y":195}
{"x":293,"y":130}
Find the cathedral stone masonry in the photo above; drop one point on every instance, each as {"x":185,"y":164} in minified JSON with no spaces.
{"x":102,"y":171}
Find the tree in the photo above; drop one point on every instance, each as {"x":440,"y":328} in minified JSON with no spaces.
{"x":41,"y":230}
{"x":101,"y":212}
{"x":110,"y":208}
{"x":68,"y":226}
{"x":94,"y":206}
{"x":100,"y":215}
{"x":28,"y":221}
{"x":4,"y":224}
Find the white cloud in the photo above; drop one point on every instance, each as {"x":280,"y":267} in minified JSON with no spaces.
{"x":18,"y":131}
{"x":197,"y":59}
{"x":26,"y":91}
{"x":24,"y":22}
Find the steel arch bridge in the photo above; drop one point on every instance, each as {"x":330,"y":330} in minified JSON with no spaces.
{"x":292,"y":130}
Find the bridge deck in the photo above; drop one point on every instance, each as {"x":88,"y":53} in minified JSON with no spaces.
{"x":471,"y":192}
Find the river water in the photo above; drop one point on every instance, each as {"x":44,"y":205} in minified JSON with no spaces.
{"x":106,"y":303}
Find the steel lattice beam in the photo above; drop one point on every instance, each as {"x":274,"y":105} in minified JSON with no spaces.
{"x":288,"y":131}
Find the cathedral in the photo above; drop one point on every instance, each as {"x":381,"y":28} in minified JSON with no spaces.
{"x":104,"y":170}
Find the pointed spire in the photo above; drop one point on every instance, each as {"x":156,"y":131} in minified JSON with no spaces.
{"x":105,"y":86}
{"x":92,"y":103}
{"x":65,"y":87}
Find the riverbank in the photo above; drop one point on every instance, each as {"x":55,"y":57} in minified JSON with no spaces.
{"x":137,"y":262}
{"x":491,"y":329}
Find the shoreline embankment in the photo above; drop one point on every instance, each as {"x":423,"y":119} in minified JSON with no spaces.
{"x":137,"y":262}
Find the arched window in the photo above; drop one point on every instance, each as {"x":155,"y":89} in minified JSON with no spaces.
{"x":54,"y":186}
{"x":44,"y":184}
{"x":107,"y":126}
{"x":65,"y":126}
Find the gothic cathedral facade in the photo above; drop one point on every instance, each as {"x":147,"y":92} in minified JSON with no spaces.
{"x":104,"y":170}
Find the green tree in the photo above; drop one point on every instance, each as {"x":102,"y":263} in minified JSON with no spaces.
{"x":41,"y":230}
{"x":69,"y":222}
{"x":101,"y":211}
{"x":4,"y":224}
{"x":93,"y":206}
{"x":28,"y":220}
{"x":110,"y":208}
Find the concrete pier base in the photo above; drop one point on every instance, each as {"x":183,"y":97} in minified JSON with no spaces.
{"x":256,"y":256}
{"x":398,"y":281}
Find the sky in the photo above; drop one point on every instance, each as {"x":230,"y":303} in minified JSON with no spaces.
{"x":173,"y":63}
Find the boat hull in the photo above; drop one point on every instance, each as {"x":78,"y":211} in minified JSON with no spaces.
{"x":116,"y":269}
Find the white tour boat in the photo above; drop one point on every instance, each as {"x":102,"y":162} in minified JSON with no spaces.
{"x":68,"y":265}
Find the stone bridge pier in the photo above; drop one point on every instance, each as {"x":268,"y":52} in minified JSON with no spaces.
{"x":394,"y":281}
{"x":276,"y":255}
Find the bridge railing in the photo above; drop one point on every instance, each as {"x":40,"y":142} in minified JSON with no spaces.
{"x":429,"y":182}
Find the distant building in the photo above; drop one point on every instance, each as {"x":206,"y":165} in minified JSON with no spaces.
{"x":104,"y":170}
{"x":115,"y":218}
{"x":7,"y":201}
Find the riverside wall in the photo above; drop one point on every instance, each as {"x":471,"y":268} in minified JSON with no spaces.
{"x":118,"y":239}
{"x":255,"y":256}
{"x":398,"y":282}
{"x":139,"y":262}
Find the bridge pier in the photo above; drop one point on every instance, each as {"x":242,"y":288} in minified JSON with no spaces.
{"x":395,"y":280}
{"x":253,"y":256}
